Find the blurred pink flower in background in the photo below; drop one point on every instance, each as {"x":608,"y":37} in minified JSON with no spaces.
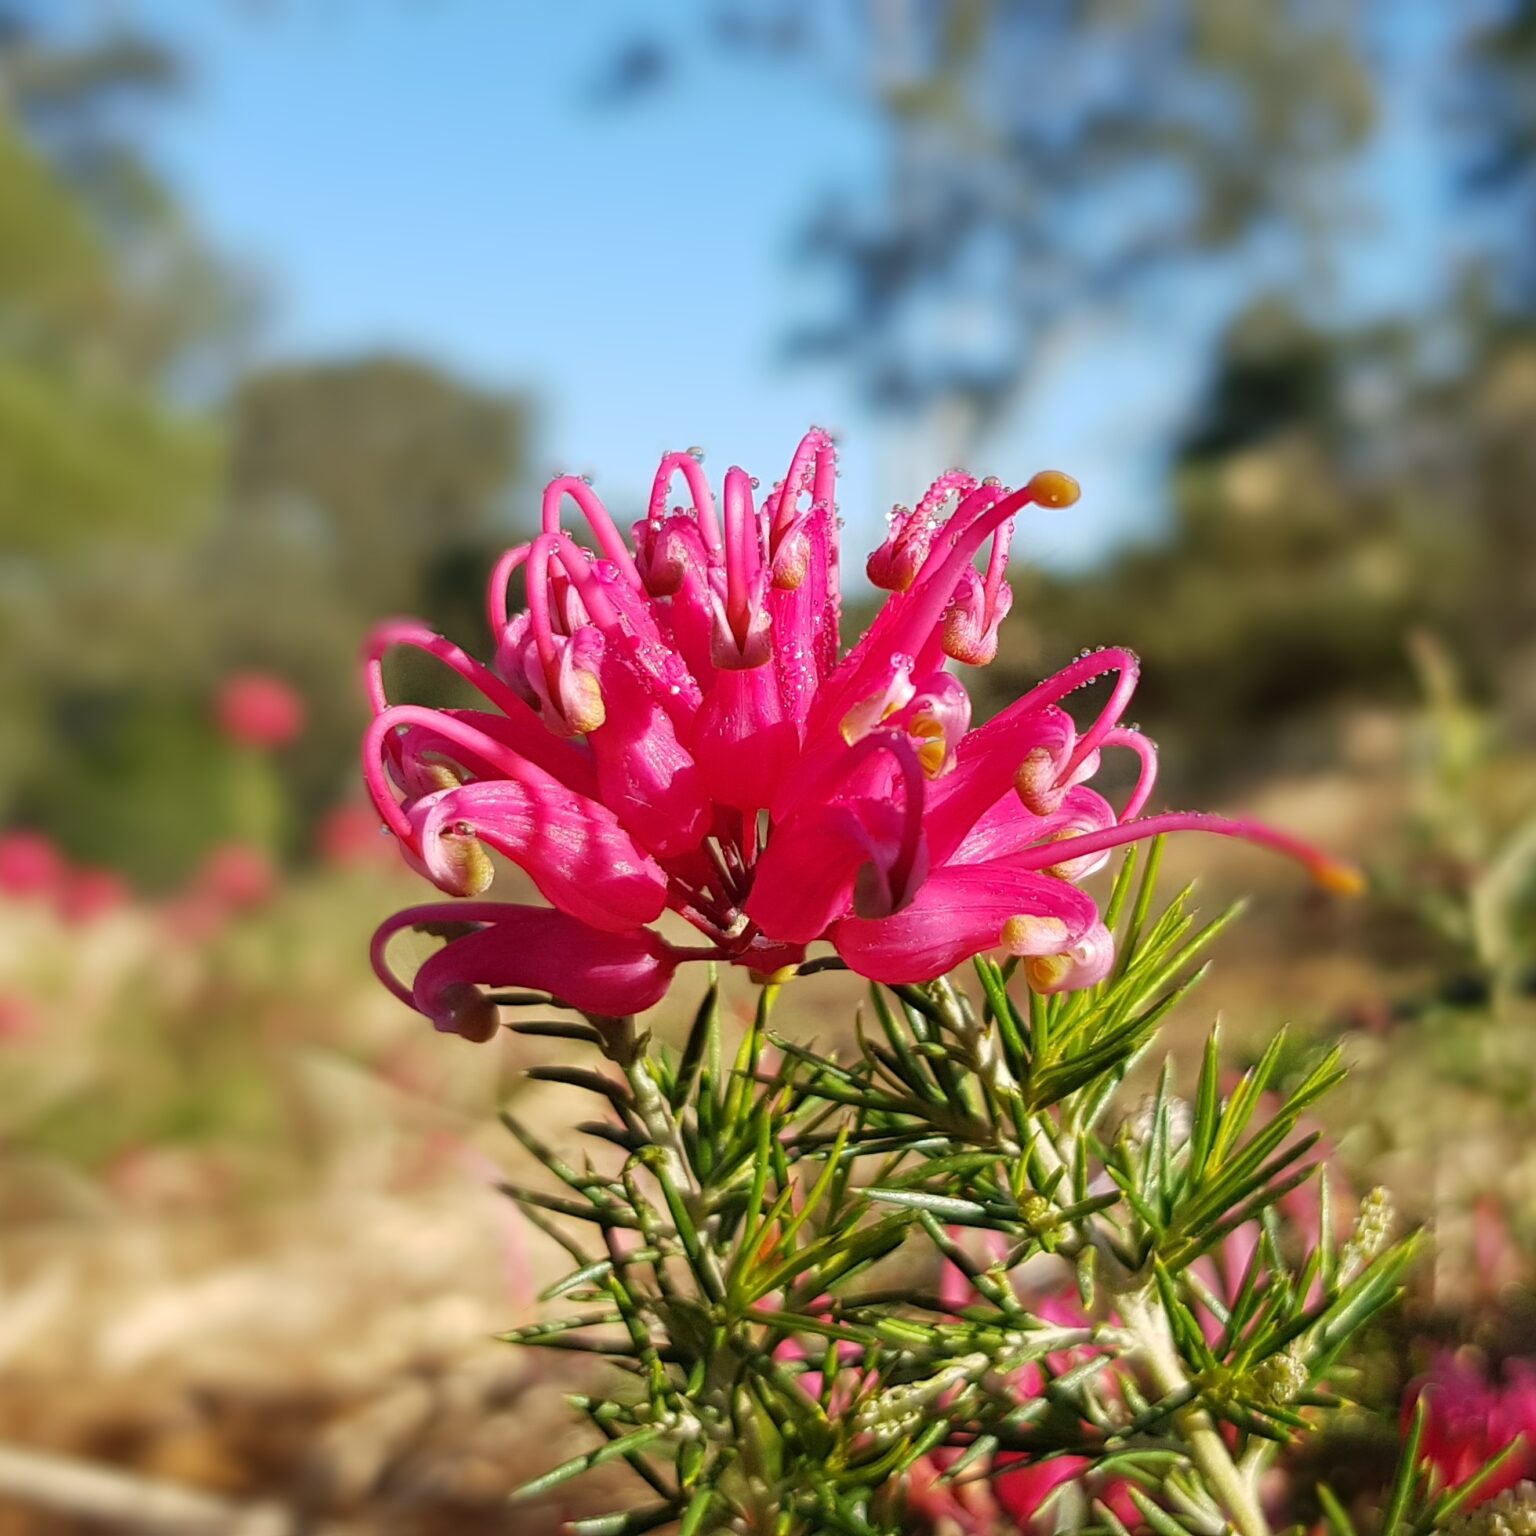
{"x":349,"y":835}
{"x":18,"y":1017}
{"x":258,"y":709}
{"x":83,"y":895}
{"x":1472,"y":1418}
{"x":30,"y":864}
{"x":236,"y":877}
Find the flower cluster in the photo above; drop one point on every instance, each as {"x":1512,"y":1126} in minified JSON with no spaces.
{"x":670,"y":724}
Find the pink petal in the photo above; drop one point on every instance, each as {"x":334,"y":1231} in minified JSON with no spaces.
{"x":645,"y":775}
{"x":572,"y":848}
{"x":960,"y":911}
{"x":806,"y":876}
{"x":535,"y":947}
{"x":742,"y":742}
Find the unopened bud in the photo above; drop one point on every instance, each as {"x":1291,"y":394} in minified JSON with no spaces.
{"x":1373,"y":1226}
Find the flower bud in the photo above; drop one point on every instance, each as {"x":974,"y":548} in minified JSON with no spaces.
{"x":971,"y":622}
{"x":463,"y":1009}
{"x":666,"y":549}
{"x":791,"y":559}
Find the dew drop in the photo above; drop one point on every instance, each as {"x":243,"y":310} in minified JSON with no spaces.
{"x":696,"y":454}
{"x":605,"y":571}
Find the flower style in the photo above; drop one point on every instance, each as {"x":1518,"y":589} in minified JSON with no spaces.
{"x":669,"y":725}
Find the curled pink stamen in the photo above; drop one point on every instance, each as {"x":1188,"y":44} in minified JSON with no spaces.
{"x":603,"y":527}
{"x":815,"y":461}
{"x":458,"y":732}
{"x":692,"y":471}
{"x":1146,"y":751}
{"x":500,"y":584}
{"x":407,"y":632}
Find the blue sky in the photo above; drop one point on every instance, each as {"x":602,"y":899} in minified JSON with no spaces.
{"x":432,"y":175}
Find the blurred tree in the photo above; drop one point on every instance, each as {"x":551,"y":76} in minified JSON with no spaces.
{"x":97,"y":464}
{"x":1498,"y":98}
{"x":356,"y":490}
{"x":151,"y":542}
{"x":404,"y":466}
{"x":1043,"y":152}
{"x":1334,"y":493}
{"x":89,"y":452}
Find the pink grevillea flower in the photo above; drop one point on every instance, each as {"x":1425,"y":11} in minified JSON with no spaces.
{"x":30,"y":864}
{"x":257,"y":709}
{"x":670,"y":724}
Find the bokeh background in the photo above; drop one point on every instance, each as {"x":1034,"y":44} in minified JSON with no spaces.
{"x":299,"y":302}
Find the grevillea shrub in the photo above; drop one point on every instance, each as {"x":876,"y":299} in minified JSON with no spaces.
{"x":945,"y":1279}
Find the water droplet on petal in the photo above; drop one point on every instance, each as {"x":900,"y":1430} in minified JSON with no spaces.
{"x":696,"y":454}
{"x":605,"y":571}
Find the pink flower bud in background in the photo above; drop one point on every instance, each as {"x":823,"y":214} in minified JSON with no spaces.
{"x":84,"y":895}
{"x":236,"y":877}
{"x":258,"y":709}
{"x":350,"y":835}
{"x":30,"y":865}
{"x":1472,"y":1418}
{"x":18,"y":1017}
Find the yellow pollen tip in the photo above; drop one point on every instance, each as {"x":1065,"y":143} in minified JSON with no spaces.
{"x":585,"y":710}
{"x":1045,"y":973}
{"x":1340,"y":878}
{"x":469,"y":864}
{"x":1051,"y":488}
{"x":1028,"y":933}
{"x":933,"y":749}
{"x":773,"y":978}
